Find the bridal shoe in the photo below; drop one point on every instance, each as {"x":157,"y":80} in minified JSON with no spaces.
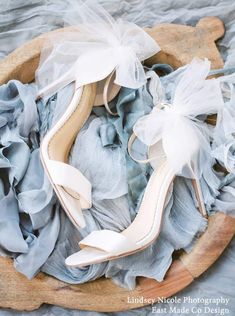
{"x":175,"y":133}
{"x":99,"y":57}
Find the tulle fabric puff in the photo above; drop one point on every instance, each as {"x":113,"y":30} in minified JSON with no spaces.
{"x":184,"y":136}
{"x":93,"y":47}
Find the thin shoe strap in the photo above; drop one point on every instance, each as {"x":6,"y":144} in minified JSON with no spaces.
{"x":105,"y":94}
{"x":143,"y":161}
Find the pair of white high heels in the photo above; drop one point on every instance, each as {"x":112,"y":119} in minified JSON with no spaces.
{"x":100,"y":65}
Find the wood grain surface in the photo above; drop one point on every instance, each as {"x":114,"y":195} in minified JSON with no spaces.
{"x":179,"y":45}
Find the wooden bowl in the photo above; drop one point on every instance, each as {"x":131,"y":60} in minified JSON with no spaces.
{"x":179,"y":45}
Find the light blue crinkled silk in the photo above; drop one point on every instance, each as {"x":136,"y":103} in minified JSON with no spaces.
{"x":36,"y":231}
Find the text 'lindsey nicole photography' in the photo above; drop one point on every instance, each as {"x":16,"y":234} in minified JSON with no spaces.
{"x":185,"y":305}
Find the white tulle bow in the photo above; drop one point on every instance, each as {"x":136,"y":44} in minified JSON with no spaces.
{"x":185,"y":138}
{"x":92,"y":49}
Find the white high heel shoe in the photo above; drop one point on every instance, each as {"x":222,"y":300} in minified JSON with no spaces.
{"x":175,"y":130}
{"x":99,"y":57}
